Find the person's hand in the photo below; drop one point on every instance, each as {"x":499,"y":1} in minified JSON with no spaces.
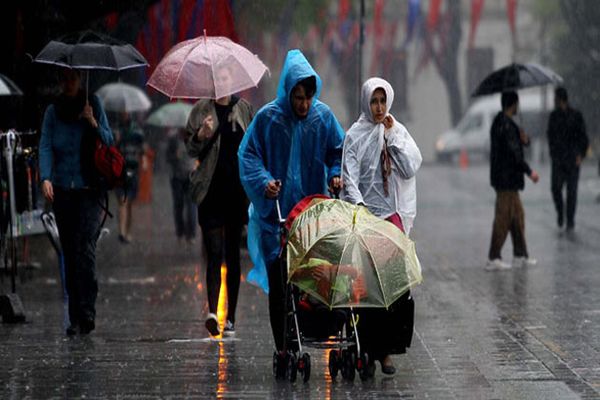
{"x":523,"y":136}
{"x":578,"y":160}
{"x":388,"y":122}
{"x":88,"y":115}
{"x":273,"y":188}
{"x":48,"y":190}
{"x":206,"y":130}
{"x":534,"y":177}
{"x":335,"y":185}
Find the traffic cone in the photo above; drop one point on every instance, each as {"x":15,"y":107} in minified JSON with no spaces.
{"x":463,"y":159}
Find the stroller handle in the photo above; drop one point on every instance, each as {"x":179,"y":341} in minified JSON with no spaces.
{"x":278,"y":207}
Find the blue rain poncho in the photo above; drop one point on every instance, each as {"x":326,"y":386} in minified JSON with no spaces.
{"x":303,"y":153}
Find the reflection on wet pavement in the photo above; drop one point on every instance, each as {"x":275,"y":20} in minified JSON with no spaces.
{"x":519,"y":334}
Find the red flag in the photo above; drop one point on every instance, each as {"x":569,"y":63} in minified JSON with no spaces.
{"x":511,"y":11}
{"x":434,"y":14}
{"x":476,"y":7}
{"x":111,"y":21}
{"x":343,"y":10}
{"x":218,"y":19}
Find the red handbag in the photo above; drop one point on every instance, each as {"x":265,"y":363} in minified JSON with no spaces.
{"x":110,"y":165}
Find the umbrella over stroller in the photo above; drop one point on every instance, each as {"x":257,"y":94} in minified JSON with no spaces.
{"x":345,"y":256}
{"x":190,"y":69}
{"x":517,"y":76}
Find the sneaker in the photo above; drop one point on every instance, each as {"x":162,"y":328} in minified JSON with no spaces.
{"x":524,"y":262}
{"x":496,"y":265}
{"x":212,"y":325}
{"x":229,"y":329}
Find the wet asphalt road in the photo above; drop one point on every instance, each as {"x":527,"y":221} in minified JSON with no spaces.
{"x":520,"y":334}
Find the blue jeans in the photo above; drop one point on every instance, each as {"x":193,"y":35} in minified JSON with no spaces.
{"x":78,"y":219}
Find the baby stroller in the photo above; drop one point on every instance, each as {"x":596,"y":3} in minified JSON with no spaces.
{"x":309,"y":323}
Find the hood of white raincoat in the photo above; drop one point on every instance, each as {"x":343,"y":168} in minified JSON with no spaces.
{"x":361,"y":162}
{"x":366,"y":93}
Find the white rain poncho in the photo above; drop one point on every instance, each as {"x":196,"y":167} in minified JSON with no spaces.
{"x":361,"y":162}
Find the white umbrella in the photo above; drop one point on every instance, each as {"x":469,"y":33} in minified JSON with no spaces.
{"x":123,"y":97}
{"x":8,"y":87}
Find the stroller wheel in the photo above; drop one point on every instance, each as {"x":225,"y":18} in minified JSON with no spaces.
{"x":304,"y":366}
{"x":362,"y":365}
{"x":348,"y":365}
{"x":292,"y":367}
{"x":334,"y":360}
{"x":280,"y":365}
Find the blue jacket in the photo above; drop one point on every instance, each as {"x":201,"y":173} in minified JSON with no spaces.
{"x":303,"y":153}
{"x":60,"y":146}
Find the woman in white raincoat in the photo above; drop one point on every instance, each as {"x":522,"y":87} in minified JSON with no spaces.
{"x":379,"y":163}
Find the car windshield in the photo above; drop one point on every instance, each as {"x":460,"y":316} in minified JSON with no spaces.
{"x":470,"y":122}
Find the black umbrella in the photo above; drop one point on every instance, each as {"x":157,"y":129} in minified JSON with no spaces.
{"x":517,"y":76}
{"x":8,"y":87}
{"x":91,"y":50}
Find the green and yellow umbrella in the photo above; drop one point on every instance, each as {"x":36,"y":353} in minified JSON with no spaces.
{"x":344,"y":256}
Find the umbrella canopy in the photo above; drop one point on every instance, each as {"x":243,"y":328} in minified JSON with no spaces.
{"x":172,"y":115}
{"x":123,"y":97}
{"x":344,"y":256}
{"x":515,"y":77}
{"x":8,"y":87}
{"x":190,"y":69}
{"x":91,"y":50}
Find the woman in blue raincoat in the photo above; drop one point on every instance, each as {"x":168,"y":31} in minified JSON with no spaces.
{"x":292,"y":149}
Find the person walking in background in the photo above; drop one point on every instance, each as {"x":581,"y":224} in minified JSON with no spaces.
{"x":214,"y":131}
{"x":507,"y":166}
{"x":292,"y":149}
{"x":184,"y":208}
{"x":75,"y":201}
{"x":379,"y":165}
{"x":130,"y":141}
{"x":568,"y":142}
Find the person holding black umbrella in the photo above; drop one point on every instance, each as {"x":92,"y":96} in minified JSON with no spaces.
{"x":507,"y":166}
{"x":68,"y":186}
{"x":568,"y":144}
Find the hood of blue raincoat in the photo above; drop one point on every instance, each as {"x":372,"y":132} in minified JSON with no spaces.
{"x":304,"y":154}
{"x":295,"y":68}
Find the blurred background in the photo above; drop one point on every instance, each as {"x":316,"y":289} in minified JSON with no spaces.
{"x":434,"y":52}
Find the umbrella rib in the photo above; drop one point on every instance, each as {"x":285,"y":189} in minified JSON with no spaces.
{"x":210,"y":60}
{"x":376,"y":271}
{"x":179,"y":73}
{"x":338,"y":269}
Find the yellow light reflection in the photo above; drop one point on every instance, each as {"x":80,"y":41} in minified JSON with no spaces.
{"x":221,"y":312}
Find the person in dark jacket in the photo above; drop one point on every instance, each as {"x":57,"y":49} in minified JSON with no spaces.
{"x":568,"y":144}
{"x":69,"y":121}
{"x":507,"y":166}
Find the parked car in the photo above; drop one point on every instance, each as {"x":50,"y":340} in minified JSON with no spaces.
{"x":472,"y":134}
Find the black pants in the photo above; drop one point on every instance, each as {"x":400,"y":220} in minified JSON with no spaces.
{"x":561,"y":175}
{"x":216,"y":241}
{"x":382,"y":332}
{"x":277,"y":275}
{"x":78,"y":219}
{"x":184,"y":209}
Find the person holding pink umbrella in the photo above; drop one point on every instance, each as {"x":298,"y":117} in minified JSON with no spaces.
{"x":214,"y":69}
{"x":214,"y":131}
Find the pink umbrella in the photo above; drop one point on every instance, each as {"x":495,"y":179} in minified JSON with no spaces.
{"x":194,"y":69}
